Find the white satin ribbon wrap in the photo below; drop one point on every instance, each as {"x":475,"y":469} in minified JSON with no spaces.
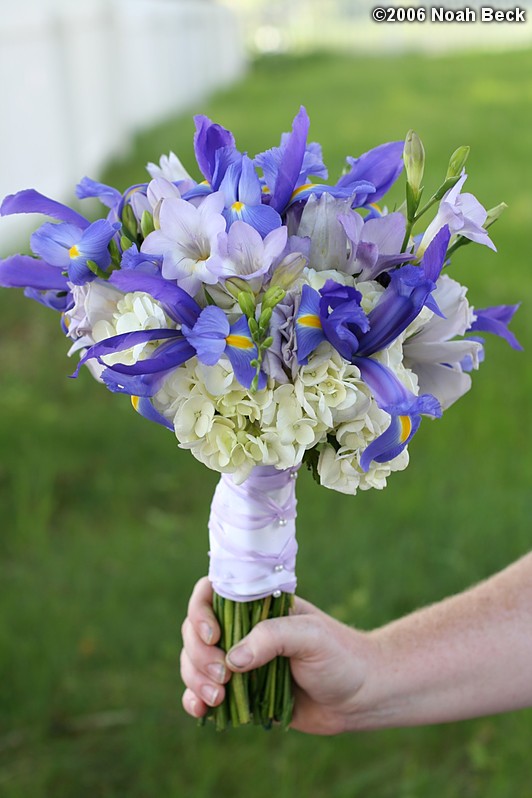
{"x":252,"y":534}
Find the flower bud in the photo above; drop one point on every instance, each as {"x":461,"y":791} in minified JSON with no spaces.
{"x":414,"y":160}
{"x":264,"y":318}
{"x":457,"y":162}
{"x":273,"y":296}
{"x":235,"y":285}
{"x":146,"y":224}
{"x":129,"y":220}
{"x":288,"y":271}
{"x":247,"y":304}
{"x":494,"y":214}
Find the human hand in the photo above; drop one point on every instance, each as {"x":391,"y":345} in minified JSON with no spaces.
{"x":329,"y":661}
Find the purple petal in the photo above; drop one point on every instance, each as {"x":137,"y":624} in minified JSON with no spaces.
{"x":434,"y":257}
{"x":133,"y":385}
{"x":380,"y":166}
{"x":390,"y":393}
{"x":208,"y":335}
{"x":30,"y":201}
{"x":117,"y":343}
{"x":241,"y":350}
{"x":107,"y":195}
{"x":22,"y":271}
{"x":94,"y":242}
{"x":495,"y":320}
{"x":177,"y":303}
{"x":392,"y":441}
{"x":52,"y":242}
{"x":308,"y":326}
{"x":262,"y":217}
{"x":291,"y":162}
{"x":249,"y":189}
{"x":144,"y":406}
{"x":209,"y":138}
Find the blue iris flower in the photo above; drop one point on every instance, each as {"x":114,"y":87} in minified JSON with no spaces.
{"x":212,"y":336}
{"x":335,"y":315}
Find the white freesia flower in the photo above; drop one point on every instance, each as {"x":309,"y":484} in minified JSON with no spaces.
{"x":431,"y":351}
{"x":170,"y":167}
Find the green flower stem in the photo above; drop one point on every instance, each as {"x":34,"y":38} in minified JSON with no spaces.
{"x":263,"y":696}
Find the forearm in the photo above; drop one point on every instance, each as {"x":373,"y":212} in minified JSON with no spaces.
{"x":467,"y":656}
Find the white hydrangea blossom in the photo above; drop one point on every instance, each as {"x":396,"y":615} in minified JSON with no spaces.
{"x":133,"y":312}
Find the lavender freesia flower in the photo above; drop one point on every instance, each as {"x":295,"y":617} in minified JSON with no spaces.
{"x":188,"y":241}
{"x":463,"y":214}
{"x":246,"y":255}
{"x":375,"y":244}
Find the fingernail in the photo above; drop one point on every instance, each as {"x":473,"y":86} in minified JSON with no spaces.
{"x":217,"y":672}
{"x":206,"y":631}
{"x":209,"y":694}
{"x":240,"y":656}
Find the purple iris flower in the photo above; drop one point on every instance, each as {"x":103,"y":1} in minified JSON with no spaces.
{"x":212,"y":336}
{"x":144,"y":377}
{"x":336,"y":316}
{"x":31,"y":201}
{"x":287,"y":169}
{"x":133,"y":260}
{"x":495,"y":320}
{"x":68,"y":247}
{"x":380,"y":166}
{"x":175,"y":302}
{"x":108,"y":196}
{"x":23,"y":271}
{"x":144,"y":407}
{"x":243,"y":198}
{"x":215,"y":150}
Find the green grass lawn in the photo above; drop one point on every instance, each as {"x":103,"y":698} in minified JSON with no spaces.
{"x":103,"y":520}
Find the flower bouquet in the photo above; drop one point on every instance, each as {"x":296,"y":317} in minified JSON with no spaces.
{"x":269,"y":318}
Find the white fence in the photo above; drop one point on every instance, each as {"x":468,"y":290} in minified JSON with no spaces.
{"x":77,"y":77}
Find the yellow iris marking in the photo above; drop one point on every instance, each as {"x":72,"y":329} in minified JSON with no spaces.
{"x":265,"y":190}
{"x":135,"y":402}
{"x":204,"y":183}
{"x":310,"y":320}
{"x":406,"y":428}
{"x":297,"y":191}
{"x":377,"y":207}
{"x":239,"y":341}
{"x":73,"y":252}
{"x":237,"y":206}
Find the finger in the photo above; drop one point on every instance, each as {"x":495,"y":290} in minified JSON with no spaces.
{"x":296,"y":636}
{"x":193,"y":704}
{"x":210,"y":693}
{"x":209,"y":660}
{"x":201,"y":613}
{"x":302,"y":607}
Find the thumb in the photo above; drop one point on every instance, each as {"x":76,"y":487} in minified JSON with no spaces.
{"x":294,"y":636}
